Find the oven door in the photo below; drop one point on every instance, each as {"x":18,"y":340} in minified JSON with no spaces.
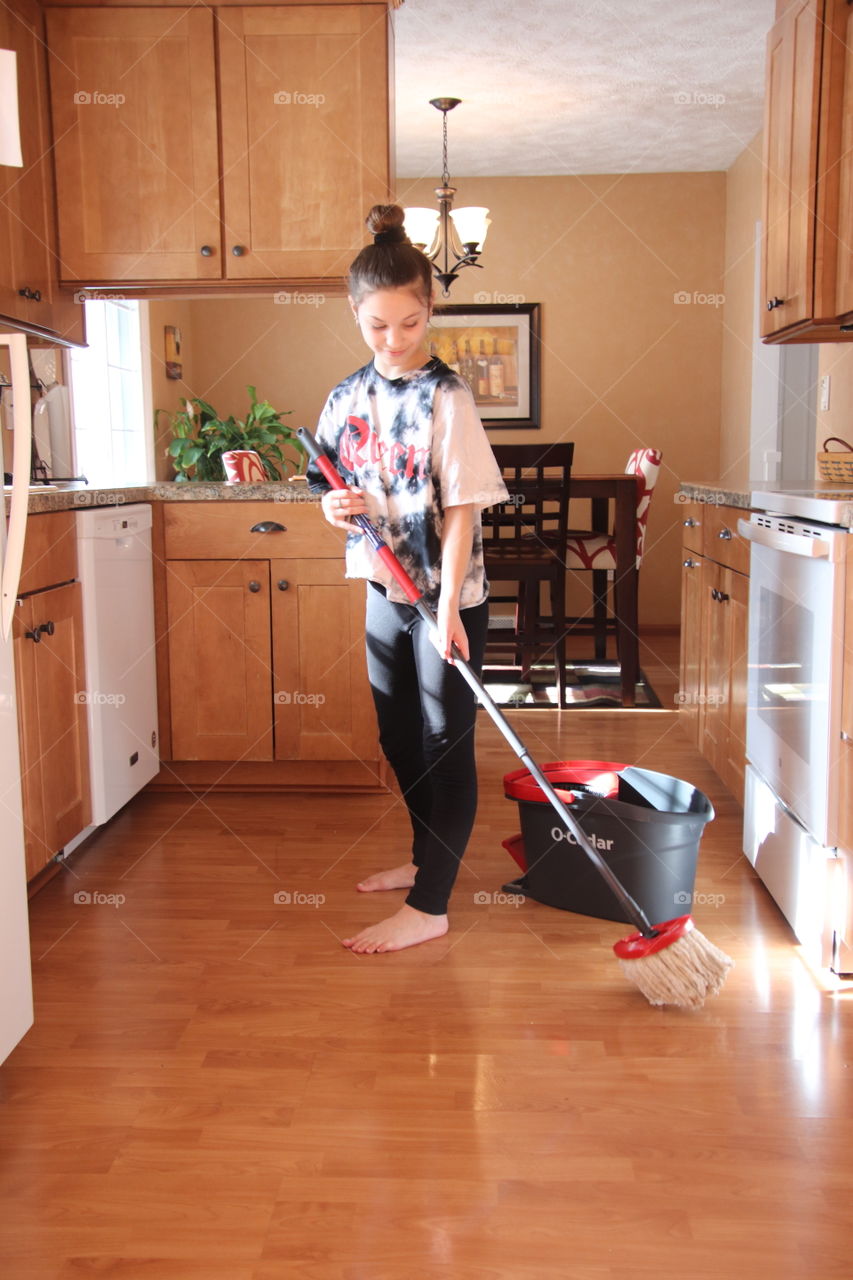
{"x":796,"y":597}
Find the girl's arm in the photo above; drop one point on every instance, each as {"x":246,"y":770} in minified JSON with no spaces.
{"x":457,"y":539}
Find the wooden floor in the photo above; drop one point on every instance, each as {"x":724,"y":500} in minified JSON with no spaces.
{"x":215,"y":1089}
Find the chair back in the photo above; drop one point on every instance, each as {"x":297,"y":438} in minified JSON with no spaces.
{"x":645,"y":465}
{"x":533,"y":522}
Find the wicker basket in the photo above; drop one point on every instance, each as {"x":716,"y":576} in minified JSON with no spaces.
{"x":837,"y":464}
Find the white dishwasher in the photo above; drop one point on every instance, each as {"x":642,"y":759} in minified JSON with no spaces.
{"x":114,"y":558}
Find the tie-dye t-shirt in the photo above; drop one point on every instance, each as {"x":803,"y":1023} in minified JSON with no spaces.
{"x":415,"y":445}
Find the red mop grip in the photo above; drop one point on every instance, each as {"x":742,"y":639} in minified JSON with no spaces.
{"x":392,"y":564}
{"x":325,"y":467}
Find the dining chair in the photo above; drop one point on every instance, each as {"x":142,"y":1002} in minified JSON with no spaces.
{"x":595,"y":551}
{"x":523,"y":543}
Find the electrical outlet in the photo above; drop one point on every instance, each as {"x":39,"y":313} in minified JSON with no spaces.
{"x":824,"y":392}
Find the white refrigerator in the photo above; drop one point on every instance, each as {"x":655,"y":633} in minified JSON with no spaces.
{"x":16,"y":994}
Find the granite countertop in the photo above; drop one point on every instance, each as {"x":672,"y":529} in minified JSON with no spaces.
{"x":76,"y":497}
{"x":717,"y":495}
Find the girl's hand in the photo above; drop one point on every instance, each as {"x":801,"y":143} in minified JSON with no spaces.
{"x":340,"y":505}
{"x":450,"y":631}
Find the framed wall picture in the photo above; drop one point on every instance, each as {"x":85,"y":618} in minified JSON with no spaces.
{"x":496,"y":350}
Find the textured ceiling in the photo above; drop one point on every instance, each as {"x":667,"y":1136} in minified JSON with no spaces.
{"x":579,"y":86}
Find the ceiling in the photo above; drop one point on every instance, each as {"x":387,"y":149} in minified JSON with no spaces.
{"x":579,"y":86}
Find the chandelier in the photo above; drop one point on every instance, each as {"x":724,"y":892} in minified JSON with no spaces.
{"x":455,"y":236}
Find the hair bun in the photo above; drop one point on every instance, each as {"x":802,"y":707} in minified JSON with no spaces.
{"x":394,"y":235}
{"x":385,"y":217}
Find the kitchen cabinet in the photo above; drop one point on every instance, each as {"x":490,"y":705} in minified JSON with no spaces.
{"x":807,"y":259}
{"x":292,"y":100}
{"x":714,"y":616}
{"x":29,"y":290}
{"x":262,"y":650}
{"x":51,"y":691}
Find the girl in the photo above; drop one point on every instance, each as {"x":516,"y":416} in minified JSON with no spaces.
{"x":404,"y":433}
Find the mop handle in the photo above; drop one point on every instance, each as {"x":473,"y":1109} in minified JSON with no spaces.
{"x":631,"y":908}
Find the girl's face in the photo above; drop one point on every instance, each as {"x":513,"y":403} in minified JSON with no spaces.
{"x":393,"y":323}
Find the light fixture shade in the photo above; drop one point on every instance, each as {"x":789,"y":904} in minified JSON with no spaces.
{"x":472,"y":224}
{"x":420,"y":225}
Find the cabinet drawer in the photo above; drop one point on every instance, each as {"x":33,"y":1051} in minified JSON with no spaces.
{"x":692,"y":523}
{"x":224,"y":531}
{"x":50,"y":551}
{"x":721,"y":540}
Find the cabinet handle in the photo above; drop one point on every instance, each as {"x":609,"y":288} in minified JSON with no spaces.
{"x":238,"y":250}
{"x":773,"y":303}
{"x":254,"y":586}
{"x":268,"y":526}
{"x":283,"y":584}
{"x":48,"y":628}
{"x":35,"y":636}
{"x":34,"y":295}
{"x":206,"y":251}
{"x":690,"y":563}
{"x":689,"y":523}
{"x":726,"y":535}
{"x":722,"y":596}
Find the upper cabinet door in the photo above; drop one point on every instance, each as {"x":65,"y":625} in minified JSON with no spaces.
{"x":25,"y":229}
{"x":790,"y":154}
{"x":844,"y":281}
{"x":305,"y":136}
{"x":133,"y":97}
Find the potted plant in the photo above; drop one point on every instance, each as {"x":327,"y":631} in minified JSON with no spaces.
{"x":201,"y":437}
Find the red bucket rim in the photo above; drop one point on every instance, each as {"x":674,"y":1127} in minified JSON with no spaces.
{"x":521,"y":785}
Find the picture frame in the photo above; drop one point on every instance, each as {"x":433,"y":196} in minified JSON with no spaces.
{"x":506,"y":336}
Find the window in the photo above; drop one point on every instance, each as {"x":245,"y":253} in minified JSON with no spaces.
{"x":110,"y":386}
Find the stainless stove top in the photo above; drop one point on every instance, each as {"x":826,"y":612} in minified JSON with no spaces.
{"x":827,"y":503}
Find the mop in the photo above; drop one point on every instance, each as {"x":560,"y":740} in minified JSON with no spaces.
{"x":671,"y":963}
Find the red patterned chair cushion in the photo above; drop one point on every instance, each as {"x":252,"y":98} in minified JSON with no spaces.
{"x":598,"y":550}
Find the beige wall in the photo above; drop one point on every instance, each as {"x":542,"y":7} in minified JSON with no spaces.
{"x":743,"y":210}
{"x":623,"y":363}
{"x":836,"y":359}
{"x":168,"y":393}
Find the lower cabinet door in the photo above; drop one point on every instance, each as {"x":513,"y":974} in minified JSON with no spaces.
{"x":690,"y":703}
{"x":52,"y":721}
{"x":220,"y":668}
{"x":323,"y":706}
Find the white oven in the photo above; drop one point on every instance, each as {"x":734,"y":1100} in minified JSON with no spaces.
{"x":796,"y":620}
{"x":793,"y":723}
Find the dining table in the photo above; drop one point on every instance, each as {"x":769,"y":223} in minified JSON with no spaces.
{"x":620,"y":490}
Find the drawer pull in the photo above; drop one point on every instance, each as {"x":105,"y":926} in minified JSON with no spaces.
{"x":254,"y":586}
{"x":690,"y":563}
{"x":283,"y":584}
{"x":206,"y":251}
{"x":32,"y":295}
{"x":773,"y":303}
{"x":238,"y":250}
{"x":268,"y":526}
{"x":689,"y":523}
{"x":726,"y":535}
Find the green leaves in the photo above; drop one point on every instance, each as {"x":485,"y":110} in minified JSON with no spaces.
{"x":201,"y":437}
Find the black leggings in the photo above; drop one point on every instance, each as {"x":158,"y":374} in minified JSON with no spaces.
{"x":426,"y":716}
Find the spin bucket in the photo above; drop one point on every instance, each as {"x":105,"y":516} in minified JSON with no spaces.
{"x":646,"y":826}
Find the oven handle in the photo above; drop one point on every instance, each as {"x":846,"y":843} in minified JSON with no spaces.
{"x":794,"y":543}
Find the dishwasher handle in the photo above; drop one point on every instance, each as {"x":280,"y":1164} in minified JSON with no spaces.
{"x":793,"y":543}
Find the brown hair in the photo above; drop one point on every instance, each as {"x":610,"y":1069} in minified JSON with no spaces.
{"x":392,"y":261}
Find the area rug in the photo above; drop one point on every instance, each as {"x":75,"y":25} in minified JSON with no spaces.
{"x":597,"y":686}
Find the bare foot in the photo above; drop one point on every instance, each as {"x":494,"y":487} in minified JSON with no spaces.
{"x":399,"y":878}
{"x":406,"y":928}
